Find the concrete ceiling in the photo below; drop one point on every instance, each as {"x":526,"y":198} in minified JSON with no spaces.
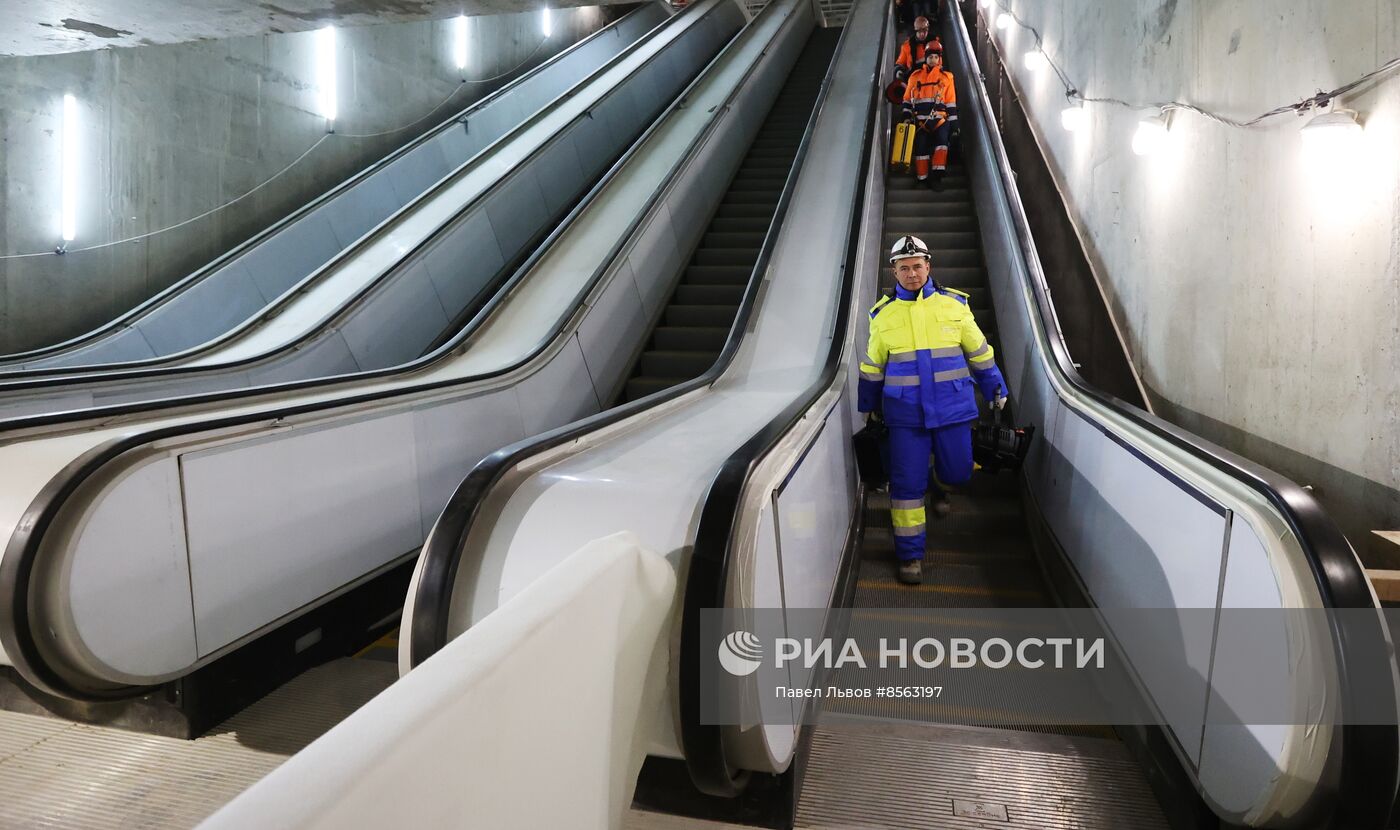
{"x":47,"y":27}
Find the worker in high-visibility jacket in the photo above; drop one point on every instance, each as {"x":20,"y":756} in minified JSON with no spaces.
{"x":931,"y":101}
{"x":911,"y":52}
{"x":924,"y":356}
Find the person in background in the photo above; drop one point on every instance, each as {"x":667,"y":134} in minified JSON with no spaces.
{"x":931,"y":101}
{"x":924,"y":357}
{"x":911,"y":52}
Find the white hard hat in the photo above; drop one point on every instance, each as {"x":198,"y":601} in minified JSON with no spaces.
{"x":908,"y":246}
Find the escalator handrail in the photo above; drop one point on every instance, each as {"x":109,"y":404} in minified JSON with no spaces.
{"x":707,"y":577}
{"x":126,"y":318}
{"x":17,"y":636}
{"x":497,"y":292}
{"x":1371,"y":757}
{"x":441,"y":558}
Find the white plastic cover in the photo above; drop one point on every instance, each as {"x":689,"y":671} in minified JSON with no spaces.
{"x":536,"y":717}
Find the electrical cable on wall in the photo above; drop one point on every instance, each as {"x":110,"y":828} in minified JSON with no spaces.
{"x":307,"y":152}
{"x":1314,"y":102}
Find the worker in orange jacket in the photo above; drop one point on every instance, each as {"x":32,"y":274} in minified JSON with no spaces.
{"x":911,"y":52}
{"x":931,"y":101}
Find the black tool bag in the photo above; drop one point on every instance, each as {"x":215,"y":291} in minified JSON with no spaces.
{"x":997,"y":445}
{"x":870,"y":453}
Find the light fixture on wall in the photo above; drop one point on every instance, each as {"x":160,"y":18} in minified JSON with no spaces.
{"x":1035,"y":60}
{"x":1151,"y":134}
{"x":1003,"y":21}
{"x":68,"y":197}
{"x":1072,"y":117}
{"x":546,"y":25}
{"x":325,"y":72}
{"x":459,"y":43}
{"x":1330,"y":136}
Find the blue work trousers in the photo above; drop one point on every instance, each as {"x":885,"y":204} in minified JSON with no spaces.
{"x":910,"y":450}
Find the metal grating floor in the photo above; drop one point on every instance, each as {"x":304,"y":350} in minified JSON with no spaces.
{"x":967,"y":778}
{"x":55,"y":773}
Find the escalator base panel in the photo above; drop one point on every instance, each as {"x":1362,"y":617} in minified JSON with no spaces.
{"x":56,"y":773}
{"x":966,"y":778}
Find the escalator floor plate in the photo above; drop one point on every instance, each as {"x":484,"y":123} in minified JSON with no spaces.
{"x":56,"y":773}
{"x":966,"y":778}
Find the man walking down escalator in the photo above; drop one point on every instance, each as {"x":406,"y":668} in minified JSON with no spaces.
{"x":931,"y":102}
{"x":924,"y":356}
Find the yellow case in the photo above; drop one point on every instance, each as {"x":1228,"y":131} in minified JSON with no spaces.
{"x":903,"y":152}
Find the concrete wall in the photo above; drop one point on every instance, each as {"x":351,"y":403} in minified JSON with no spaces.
{"x":169,"y":132}
{"x":1259,"y":290}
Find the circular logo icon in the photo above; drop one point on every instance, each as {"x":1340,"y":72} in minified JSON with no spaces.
{"x":740,"y":653}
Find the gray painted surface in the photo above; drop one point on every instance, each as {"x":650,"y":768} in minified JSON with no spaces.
{"x":1259,"y":292}
{"x":171,"y":132}
{"x":47,"y":27}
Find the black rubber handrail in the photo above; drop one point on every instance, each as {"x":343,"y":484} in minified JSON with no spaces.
{"x":166,"y":294}
{"x":496,"y":289}
{"x":17,"y":636}
{"x":707,"y":577}
{"x":441,"y":559}
{"x":1370,"y":773}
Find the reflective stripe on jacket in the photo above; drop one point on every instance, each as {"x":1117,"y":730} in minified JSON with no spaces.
{"x":930,"y":92}
{"x":924,"y":355}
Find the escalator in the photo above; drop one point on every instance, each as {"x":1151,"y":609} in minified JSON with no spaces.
{"x":696,"y":321}
{"x":414,"y":281}
{"x":980,"y":555}
{"x":742,"y":480}
{"x":258,"y":277}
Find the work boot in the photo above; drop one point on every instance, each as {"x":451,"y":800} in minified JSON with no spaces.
{"x":938,"y":503}
{"x":935,"y":180}
{"x":911,"y":571}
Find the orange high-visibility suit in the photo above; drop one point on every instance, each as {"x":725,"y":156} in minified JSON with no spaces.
{"x":931,"y":100}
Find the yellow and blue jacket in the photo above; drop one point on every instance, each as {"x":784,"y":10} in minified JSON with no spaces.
{"x":924,"y":355}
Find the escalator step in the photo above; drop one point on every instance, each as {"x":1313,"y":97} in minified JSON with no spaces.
{"x":755,"y":214}
{"x":691,"y":338}
{"x":677,"y":364}
{"x":963,"y":279}
{"x":699,"y":315}
{"x":761,"y":197}
{"x":736,"y":225}
{"x":725,"y":256}
{"x":766,"y":173}
{"x":729,"y":295}
{"x":722,"y":238}
{"x":698,"y":318}
{"x":903,"y":183}
{"x":921,"y":210}
{"x":924,"y":225}
{"x":941,"y":240}
{"x":751,"y":183}
{"x":923,"y":195}
{"x":718,"y":275}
